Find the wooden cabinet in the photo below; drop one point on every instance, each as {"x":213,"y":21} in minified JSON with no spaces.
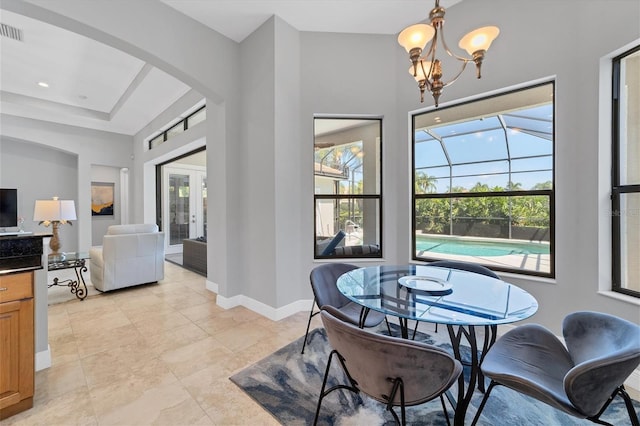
{"x":16,"y":343}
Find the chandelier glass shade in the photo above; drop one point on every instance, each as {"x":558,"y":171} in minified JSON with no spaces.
{"x":426,"y":68}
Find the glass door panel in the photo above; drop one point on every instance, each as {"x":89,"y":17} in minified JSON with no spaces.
{"x":201,"y":211}
{"x":184,"y":205}
{"x":179,"y":208}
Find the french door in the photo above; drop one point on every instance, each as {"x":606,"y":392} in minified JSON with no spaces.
{"x":184,"y":206}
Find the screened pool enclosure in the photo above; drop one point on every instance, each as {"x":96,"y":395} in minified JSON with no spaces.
{"x":483,"y":175}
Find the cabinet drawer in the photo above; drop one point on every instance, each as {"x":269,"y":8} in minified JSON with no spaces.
{"x":16,"y":286}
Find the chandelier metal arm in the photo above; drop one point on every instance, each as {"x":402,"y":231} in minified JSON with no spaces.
{"x":440,"y":31}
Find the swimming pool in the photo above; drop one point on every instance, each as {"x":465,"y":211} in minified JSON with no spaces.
{"x":472,"y":247}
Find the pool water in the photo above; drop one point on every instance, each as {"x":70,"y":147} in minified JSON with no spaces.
{"x":478,"y":248}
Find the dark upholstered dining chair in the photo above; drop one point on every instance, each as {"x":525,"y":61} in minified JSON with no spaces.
{"x":323,"y":283}
{"x":391,"y":370}
{"x":580,"y":379}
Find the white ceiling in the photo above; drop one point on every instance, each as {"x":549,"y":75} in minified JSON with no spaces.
{"x":236,"y":19}
{"x":90,"y":84}
{"x":95,"y":86}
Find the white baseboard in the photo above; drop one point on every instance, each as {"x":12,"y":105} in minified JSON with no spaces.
{"x":211,"y":286}
{"x":274,"y":314}
{"x":43,"y":359}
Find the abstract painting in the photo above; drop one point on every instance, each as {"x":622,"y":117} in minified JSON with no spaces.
{"x":102,"y":198}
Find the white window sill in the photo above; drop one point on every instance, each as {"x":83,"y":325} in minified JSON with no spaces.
{"x":619,"y":296}
{"x":511,"y":276}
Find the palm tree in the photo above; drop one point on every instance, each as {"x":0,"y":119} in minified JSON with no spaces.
{"x":425,"y":184}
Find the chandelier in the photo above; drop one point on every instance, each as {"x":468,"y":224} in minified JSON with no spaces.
{"x":427,"y":69}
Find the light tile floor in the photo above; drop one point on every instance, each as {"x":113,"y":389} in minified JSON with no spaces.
{"x":154,"y":354}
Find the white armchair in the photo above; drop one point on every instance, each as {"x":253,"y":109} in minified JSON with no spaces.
{"x":129,"y":255}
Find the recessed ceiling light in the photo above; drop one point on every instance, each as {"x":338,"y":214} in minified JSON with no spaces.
{"x":43,"y":84}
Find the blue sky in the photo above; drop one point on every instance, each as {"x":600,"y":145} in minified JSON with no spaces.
{"x":482,"y":150}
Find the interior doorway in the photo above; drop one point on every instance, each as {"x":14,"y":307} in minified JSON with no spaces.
{"x":182,"y":200}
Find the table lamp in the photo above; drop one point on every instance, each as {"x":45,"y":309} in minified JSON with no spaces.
{"x":55,"y":213}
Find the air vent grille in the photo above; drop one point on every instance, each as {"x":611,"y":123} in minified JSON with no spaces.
{"x":10,"y":32}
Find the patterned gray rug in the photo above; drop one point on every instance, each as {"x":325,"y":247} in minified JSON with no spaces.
{"x":287,"y":384}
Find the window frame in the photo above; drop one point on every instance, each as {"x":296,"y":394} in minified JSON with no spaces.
{"x":618,"y":189}
{"x":340,"y":197}
{"x":550,"y":193}
{"x":166,"y":132}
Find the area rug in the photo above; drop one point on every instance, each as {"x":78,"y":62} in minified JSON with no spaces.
{"x":287,"y":384}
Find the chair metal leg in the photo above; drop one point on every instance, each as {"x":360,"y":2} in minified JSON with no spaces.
{"x":324,"y":384}
{"x":484,"y":401}
{"x":446,"y":413}
{"x":398,"y":384}
{"x":388,"y":326}
{"x":633,"y":417}
{"x":311,"y":315}
{"x":353,"y":387}
{"x":490,"y":334}
{"x":632,"y":411}
{"x":415,"y":330}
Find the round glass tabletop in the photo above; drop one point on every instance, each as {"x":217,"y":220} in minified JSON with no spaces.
{"x":437,"y":294}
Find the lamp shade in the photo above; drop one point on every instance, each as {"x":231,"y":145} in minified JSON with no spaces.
{"x":479,"y":39}
{"x":422,"y":69}
{"x":417,"y":35}
{"x":54,"y":210}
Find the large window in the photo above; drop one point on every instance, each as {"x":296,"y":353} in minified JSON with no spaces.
{"x":626,"y":173}
{"x":347,"y":181}
{"x":483,"y":182}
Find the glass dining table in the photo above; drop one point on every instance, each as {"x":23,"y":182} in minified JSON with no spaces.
{"x":459,"y":299}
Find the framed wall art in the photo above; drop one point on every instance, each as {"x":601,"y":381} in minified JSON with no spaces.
{"x":102,"y":198}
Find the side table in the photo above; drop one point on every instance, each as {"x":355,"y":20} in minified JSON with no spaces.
{"x":75,"y":261}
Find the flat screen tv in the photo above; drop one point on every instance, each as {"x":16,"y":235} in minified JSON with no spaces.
{"x":8,"y":207}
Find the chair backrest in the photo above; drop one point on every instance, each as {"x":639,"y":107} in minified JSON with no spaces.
{"x":371,"y":359}
{"x":133,"y":228}
{"x":605,"y":351}
{"x":323,"y":283}
{"x":465,"y":266}
{"x":132,"y":254}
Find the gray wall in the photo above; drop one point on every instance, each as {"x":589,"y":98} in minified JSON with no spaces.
{"x":88,"y":146}
{"x":39,"y":173}
{"x":367,"y":74}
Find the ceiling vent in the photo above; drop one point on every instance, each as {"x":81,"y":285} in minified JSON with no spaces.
{"x":10,"y":32}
